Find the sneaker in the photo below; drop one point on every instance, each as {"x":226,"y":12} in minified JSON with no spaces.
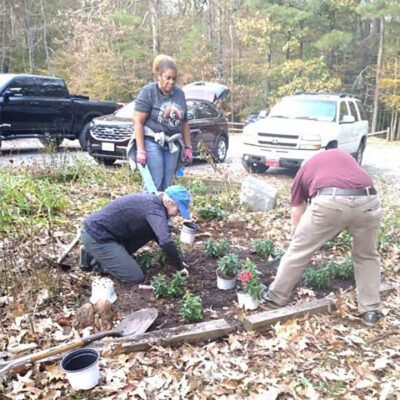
{"x":268,"y":300}
{"x":371,"y":318}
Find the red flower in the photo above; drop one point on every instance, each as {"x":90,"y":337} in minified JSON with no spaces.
{"x":244,"y":277}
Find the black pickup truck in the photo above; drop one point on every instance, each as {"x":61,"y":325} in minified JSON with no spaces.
{"x":33,"y":106}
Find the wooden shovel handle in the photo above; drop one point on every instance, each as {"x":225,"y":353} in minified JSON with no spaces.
{"x":31,"y":358}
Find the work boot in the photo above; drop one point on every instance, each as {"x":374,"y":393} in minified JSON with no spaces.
{"x":85,"y":261}
{"x":268,"y":300}
{"x":371,"y":318}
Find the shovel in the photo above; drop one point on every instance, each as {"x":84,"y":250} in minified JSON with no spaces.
{"x":135,"y":323}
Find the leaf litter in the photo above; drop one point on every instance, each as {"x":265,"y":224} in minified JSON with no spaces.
{"x":314,"y":357}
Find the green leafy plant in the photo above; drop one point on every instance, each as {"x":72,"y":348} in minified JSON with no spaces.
{"x":216,"y":248}
{"x":172,"y":289}
{"x":192,"y":308}
{"x":210,"y":212}
{"x":343,"y":241}
{"x":249,"y":277}
{"x":316,"y":278}
{"x":228,"y":266}
{"x":175,"y":287}
{"x":343,"y":270}
{"x":264,"y":247}
{"x":144,"y":259}
{"x":160,"y":286}
{"x":160,"y":256}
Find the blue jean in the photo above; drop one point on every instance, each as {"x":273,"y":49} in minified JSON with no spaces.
{"x":161,"y":163}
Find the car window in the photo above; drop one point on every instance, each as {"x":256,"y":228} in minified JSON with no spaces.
{"x":206,"y":110}
{"x":192,"y":107}
{"x":304,"y":108}
{"x":27,"y":85}
{"x":353,"y":110}
{"x":343,"y":110}
{"x":363,"y":114}
{"x":50,"y":87}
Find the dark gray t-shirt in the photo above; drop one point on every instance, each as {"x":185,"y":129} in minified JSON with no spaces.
{"x":166,"y":113}
{"x":133,"y":220}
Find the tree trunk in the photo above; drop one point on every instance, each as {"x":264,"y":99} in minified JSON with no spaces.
{"x":45,"y":44}
{"x":377,"y":76}
{"x":154,"y":5}
{"x":231,"y":39}
{"x":220,"y":45}
{"x":28,"y":35}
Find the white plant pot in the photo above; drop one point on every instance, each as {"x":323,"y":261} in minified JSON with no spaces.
{"x":188,"y":232}
{"x":247,"y":302}
{"x":226,"y":284}
{"x":82,"y":368}
{"x":103,"y":289}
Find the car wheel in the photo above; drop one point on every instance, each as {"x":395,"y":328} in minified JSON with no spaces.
{"x":220,"y":149}
{"x":257,"y":169}
{"x":83,"y":137}
{"x":104,"y":161}
{"x":52,"y":142}
{"x":360,"y":153}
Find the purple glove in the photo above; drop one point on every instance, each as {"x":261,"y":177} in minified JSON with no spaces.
{"x":188,"y":156}
{"x":141,"y":157}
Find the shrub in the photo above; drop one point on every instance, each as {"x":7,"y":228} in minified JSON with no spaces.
{"x":160,"y":286}
{"x":316,"y":278}
{"x":144,"y":260}
{"x":249,"y":277}
{"x":192,"y":308}
{"x":160,"y":256}
{"x":210,"y":212}
{"x":216,"y":249}
{"x":228,"y":265}
{"x":343,"y":270}
{"x":264,"y":247}
{"x":175,"y":287}
{"x":172,"y":289}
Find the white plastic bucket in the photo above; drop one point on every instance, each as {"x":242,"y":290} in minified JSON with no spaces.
{"x":188,"y":232}
{"x":82,"y":368}
{"x":226,"y":284}
{"x":246,"y":301}
{"x":103,"y":289}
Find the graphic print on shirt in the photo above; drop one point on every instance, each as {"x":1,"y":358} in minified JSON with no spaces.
{"x":170,"y":114}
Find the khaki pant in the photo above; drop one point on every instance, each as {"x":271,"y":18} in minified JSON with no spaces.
{"x":323,"y":220}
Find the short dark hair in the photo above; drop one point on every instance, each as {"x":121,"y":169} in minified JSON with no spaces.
{"x":166,"y":64}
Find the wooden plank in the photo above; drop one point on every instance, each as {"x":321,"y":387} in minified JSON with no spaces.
{"x":193,"y":333}
{"x":260,"y":321}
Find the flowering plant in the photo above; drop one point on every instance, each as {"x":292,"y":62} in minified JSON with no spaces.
{"x":249,"y":277}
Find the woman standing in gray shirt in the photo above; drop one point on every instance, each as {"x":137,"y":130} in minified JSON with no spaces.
{"x":161,"y":114}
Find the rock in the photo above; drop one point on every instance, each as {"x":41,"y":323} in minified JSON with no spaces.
{"x":85,"y":316}
{"x":258,"y":195}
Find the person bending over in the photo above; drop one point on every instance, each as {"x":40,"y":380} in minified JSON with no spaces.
{"x":330,"y":193}
{"x":124,"y":225}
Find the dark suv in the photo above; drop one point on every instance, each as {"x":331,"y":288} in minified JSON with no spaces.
{"x":110,"y":134}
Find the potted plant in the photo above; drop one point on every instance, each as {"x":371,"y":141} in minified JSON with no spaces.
{"x":227,"y":269}
{"x":252,"y":288}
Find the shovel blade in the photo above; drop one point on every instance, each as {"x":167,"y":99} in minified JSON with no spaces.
{"x":137,"y":322}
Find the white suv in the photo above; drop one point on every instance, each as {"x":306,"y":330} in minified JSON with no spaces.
{"x":302,"y":125}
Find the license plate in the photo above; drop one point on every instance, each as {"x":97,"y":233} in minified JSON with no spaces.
{"x":272,"y":163}
{"x":107,"y":146}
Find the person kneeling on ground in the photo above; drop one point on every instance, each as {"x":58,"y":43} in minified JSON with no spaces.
{"x":124,"y":225}
{"x":342,"y":197}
